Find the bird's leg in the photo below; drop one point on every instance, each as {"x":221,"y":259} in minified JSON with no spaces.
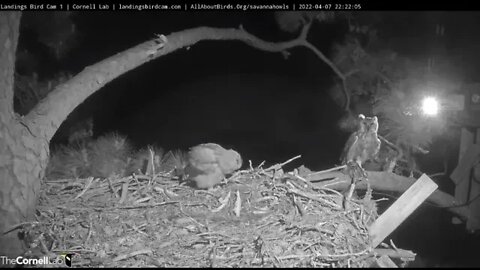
{"x":368,"y":193}
{"x":353,"y":171}
{"x":356,"y":173}
{"x":348,"y":197}
{"x":364,"y":176}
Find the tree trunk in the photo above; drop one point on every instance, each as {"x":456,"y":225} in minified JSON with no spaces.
{"x":22,"y":157}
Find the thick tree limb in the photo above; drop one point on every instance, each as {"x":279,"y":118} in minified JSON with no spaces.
{"x":46,"y":117}
{"x":385,"y":181}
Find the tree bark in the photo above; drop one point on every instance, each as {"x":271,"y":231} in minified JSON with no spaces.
{"x":23,"y":157}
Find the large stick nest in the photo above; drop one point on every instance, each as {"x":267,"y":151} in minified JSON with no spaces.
{"x":256,"y":218}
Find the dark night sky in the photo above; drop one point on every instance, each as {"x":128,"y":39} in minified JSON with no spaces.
{"x":258,"y":103}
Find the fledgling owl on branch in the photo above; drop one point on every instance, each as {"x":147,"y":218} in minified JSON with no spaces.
{"x":209,"y":163}
{"x":363,"y":144}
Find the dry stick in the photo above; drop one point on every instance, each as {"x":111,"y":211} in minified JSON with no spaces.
{"x":141,"y":200}
{"x":237,"y":173}
{"x":132,"y":254}
{"x":299,"y":206}
{"x":346,"y":254}
{"x":328,"y":189}
{"x":111,"y":187}
{"x":89,"y":182}
{"x":276,"y":166}
{"x":250,"y":163}
{"x":137,"y":206}
{"x":19,"y":225}
{"x":89,"y":233}
{"x":74,"y":250}
{"x":308,"y":196}
{"x":238,"y":204}
{"x":223,"y":202}
{"x":298,"y":177}
{"x":124,"y":192}
{"x":328,"y":170}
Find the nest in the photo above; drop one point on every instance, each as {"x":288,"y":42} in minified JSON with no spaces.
{"x":256,"y":218}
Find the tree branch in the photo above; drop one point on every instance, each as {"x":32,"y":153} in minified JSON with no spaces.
{"x":385,"y":181}
{"x":53,"y":109}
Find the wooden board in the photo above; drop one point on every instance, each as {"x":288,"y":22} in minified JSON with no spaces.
{"x":384,"y":262}
{"x":401,"y":209}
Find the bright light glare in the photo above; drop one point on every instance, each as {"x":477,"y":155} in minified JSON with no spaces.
{"x":430,"y":106}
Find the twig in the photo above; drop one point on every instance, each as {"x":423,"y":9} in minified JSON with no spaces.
{"x":141,"y":206}
{"x":238,"y":204}
{"x":111,"y":187}
{"x":124,"y":192}
{"x":223,"y":202}
{"x":328,"y":170}
{"x":290,"y":160}
{"x":132,"y":254}
{"x":19,"y":225}
{"x":311,"y":197}
{"x":89,"y":233}
{"x":277,"y":166}
{"x":143,"y":200}
{"x":74,"y":250}
{"x":87,"y":186}
{"x":346,"y":254}
{"x":298,"y":177}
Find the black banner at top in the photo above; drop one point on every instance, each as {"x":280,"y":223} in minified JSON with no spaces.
{"x":241,"y":5}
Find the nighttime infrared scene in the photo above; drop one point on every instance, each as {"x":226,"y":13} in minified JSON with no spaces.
{"x":240,"y":139}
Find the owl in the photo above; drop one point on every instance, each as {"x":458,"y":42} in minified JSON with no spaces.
{"x":364,"y":143}
{"x":209,"y":163}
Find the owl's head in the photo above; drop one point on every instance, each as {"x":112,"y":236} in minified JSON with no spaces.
{"x":370,"y":124}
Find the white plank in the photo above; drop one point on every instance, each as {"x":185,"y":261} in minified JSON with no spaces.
{"x":401,"y":209}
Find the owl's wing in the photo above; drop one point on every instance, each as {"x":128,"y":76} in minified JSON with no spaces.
{"x":374,"y":144}
{"x":349,"y":145}
{"x":212,"y":146}
{"x":201,"y":154}
{"x":229,"y":161}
